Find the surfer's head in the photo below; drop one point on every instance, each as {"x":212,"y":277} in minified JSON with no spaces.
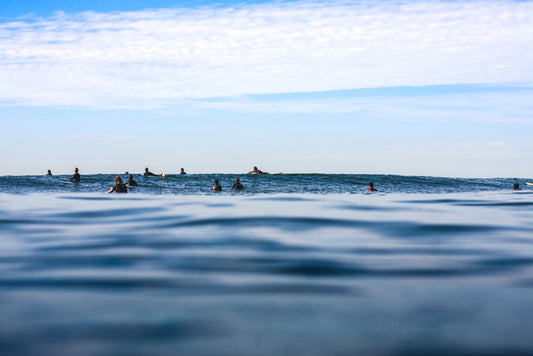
{"x":118,"y":180}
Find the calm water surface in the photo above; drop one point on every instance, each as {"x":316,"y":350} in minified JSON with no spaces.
{"x":260,"y":273}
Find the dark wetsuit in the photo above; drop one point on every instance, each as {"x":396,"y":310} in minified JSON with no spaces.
{"x":217,"y":188}
{"x":120,"y":188}
{"x":149,"y":174}
{"x":131,"y":182}
{"x":75,"y":178}
{"x":237,"y":186}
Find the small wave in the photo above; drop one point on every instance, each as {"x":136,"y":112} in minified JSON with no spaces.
{"x":107,"y":213}
{"x":284,"y":198}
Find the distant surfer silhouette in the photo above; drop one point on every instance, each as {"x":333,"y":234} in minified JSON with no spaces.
{"x":371,"y":187}
{"x":119,"y":187}
{"x":257,"y":171}
{"x":182,"y":171}
{"x":237,"y":185}
{"x":130,"y":182}
{"x":216,"y":186}
{"x":516,"y":186}
{"x":147,"y":173}
{"x":49,"y":173}
{"x":75,"y":177}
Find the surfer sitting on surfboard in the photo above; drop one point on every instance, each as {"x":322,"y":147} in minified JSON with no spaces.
{"x":216,"y":186}
{"x":119,"y":187}
{"x":130,"y":182}
{"x":237,"y":185}
{"x":76,"y":177}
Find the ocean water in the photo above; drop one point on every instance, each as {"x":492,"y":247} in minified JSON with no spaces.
{"x":200,"y":184}
{"x":292,"y":265}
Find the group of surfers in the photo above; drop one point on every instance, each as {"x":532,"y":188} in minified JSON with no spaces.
{"x":122,"y":187}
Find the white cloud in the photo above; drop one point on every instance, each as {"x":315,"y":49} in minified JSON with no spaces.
{"x":498,"y":106}
{"x":146,"y":59}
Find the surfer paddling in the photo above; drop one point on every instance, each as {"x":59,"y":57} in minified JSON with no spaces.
{"x":255,"y":170}
{"x":371,"y":187}
{"x":147,"y":173}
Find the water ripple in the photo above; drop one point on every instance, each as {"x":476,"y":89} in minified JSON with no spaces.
{"x":230,"y":274}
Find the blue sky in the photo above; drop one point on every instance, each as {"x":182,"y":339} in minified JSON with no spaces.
{"x":440,"y":88}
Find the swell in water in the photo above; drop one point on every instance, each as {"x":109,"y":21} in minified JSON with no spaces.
{"x":200,"y":184}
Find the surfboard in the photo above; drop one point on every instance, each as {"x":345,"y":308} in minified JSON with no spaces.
{"x":527,"y":183}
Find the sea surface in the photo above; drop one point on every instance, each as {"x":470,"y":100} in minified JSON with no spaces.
{"x":200,"y":184}
{"x":292,"y":265}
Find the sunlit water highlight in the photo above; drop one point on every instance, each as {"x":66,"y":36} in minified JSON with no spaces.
{"x":259,"y":273}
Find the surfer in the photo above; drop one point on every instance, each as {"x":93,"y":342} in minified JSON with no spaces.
{"x":371,"y":187}
{"x":182,"y":171}
{"x":130,"y":182}
{"x":119,"y":187}
{"x":516,"y":186}
{"x":76,"y":177}
{"x":147,"y":173}
{"x":49,"y":173}
{"x":257,"y":171}
{"x":216,"y":186}
{"x":237,"y":185}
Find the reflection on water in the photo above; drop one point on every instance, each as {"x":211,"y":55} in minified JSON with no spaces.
{"x":90,"y":274}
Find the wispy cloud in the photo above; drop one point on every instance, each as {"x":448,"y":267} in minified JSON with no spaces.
{"x":148,"y":59}
{"x":503,"y":105}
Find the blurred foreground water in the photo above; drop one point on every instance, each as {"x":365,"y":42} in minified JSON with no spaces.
{"x":266,"y":274}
